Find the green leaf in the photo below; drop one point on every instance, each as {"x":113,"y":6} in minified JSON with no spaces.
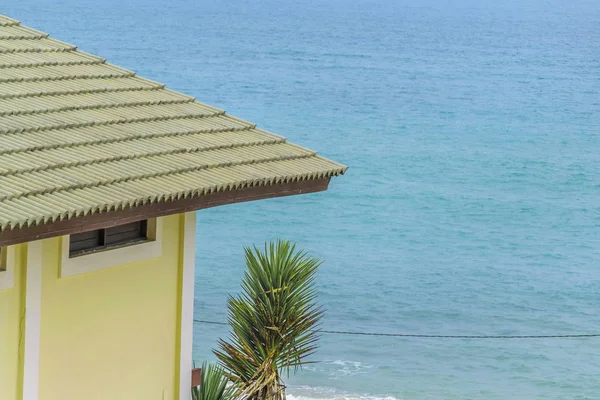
{"x":214,"y":385}
{"x":274,"y":321}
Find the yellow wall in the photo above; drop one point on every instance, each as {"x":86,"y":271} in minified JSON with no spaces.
{"x":111,"y":334}
{"x":11,"y":312}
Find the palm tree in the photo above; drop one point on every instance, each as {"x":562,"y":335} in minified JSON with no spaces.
{"x":274,"y":321}
{"x":213,"y":385}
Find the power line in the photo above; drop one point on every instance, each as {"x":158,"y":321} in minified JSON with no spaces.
{"x":410,"y":335}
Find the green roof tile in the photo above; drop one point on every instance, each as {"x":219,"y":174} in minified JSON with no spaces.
{"x":80,"y":136}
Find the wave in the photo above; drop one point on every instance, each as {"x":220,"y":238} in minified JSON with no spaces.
{"x":314,"y":393}
{"x":339,"y":368}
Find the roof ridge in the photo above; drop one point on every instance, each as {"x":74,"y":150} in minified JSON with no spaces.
{"x":38,"y":50}
{"x":82,"y":91}
{"x":249,"y":126}
{"x":97,"y":106}
{"x":39,"y":36}
{"x":77,"y":57}
{"x":112,"y":122}
{"x":7,"y":21}
{"x":225,"y":164}
{"x":26,"y":33}
{"x":275,"y":139}
{"x":124,"y":74}
{"x":135,"y":137}
{"x":53,"y":64}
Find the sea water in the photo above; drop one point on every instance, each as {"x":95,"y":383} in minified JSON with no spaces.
{"x":471,"y":206}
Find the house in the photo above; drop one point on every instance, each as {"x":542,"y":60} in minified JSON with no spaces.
{"x":101,"y":174}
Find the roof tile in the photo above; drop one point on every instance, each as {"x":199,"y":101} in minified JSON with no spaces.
{"x":80,"y":136}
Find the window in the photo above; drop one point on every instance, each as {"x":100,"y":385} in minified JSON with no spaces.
{"x":102,"y":239}
{"x":86,"y":252}
{"x":3,"y":258}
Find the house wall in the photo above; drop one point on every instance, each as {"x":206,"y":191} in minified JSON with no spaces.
{"x":11,"y":328}
{"x":113,"y":333}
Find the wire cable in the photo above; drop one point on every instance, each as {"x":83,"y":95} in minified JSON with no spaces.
{"x":412,"y":335}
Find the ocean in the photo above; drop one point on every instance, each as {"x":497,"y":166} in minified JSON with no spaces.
{"x":471,"y":206}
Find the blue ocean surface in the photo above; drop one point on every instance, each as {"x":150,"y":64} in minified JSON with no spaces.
{"x":471,"y":206}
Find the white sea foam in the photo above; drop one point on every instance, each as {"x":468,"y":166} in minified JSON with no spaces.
{"x":341,"y":396}
{"x":347,"y":367}
{"x":339,"y":368}
{"x":311,"y":393}
{"x":349,"y":364}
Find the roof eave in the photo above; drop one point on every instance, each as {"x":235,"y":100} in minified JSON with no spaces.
{"x":153,"y":210}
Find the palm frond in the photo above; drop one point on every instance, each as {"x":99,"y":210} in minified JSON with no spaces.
{"x":213,"y":385}
{"x":274,"y":321}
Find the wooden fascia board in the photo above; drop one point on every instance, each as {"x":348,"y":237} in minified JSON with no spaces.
{"x":108,"y":219}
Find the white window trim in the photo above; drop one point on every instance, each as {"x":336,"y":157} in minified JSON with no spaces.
{"x":33,"y":312}
{"x":187,"y":306}
{"x":107,"y":258}
{"x":7,"y":277}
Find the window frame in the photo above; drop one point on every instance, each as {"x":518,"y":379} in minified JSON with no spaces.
{"x":3,"y":258}
{"x":112,"y":256}
{"x":7,"y":267}
{"x":104,"y":244}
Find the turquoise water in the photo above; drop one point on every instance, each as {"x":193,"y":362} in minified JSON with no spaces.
{"x":471,"y":205}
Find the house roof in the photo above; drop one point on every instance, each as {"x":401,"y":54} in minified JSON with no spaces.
{"x":80,"y":136}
